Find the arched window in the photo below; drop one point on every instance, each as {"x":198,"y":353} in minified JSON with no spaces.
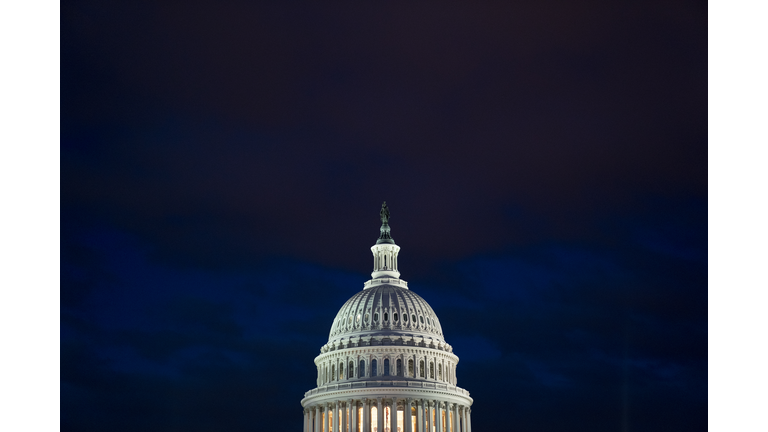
{"x":361,"y":369}
{"x":341,"y":371}
{"x":374,"y":368}
{"x":351,"y":370}
{"x":333,"y":373}
{"x":440,"y":372}
{"x":410,"y":369}
{"x":421,"y":368}
{"x":399,"y":367}
{"x":386,"y":317}
{"x":386,"y":366}
{"x":431,"y":370}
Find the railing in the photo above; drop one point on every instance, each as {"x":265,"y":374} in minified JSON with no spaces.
{"x":365,"y":384}
{"x":385,"y":281}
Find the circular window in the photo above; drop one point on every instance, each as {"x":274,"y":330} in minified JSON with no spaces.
{"x":395,"y":316}
{"x":421,"y":318}
{"x":366,"y":318}
{"x":376,"y":317}
{"x":413,"y":317}
{"x":386,"y":317}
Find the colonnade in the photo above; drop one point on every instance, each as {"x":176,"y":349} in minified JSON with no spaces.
{"x":430,"y":416}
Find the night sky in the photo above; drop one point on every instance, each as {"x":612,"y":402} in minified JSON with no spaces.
{"x":223,"y":165}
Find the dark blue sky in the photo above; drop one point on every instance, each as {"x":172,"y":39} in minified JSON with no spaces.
{"x":222,"y":168}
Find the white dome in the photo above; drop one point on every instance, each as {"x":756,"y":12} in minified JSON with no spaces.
{"x":386,"y":309}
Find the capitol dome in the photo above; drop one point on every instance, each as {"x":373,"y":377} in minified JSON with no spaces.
{"x":386,"y":366}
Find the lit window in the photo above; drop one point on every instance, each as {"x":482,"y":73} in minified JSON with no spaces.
{"x":358,"y":318}
{"x":421,"y":368}
{"x":350,"y":320}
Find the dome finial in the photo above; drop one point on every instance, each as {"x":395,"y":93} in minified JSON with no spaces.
{"x":384,"y":236}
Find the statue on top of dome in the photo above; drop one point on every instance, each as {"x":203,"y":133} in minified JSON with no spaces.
{"x":384,"y":213}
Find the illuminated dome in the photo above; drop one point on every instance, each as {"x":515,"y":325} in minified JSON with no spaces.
{"x":387,"y":309}
{"x":386,"y":366}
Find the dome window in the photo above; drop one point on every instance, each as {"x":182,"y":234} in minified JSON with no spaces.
{"x":386,"y":317}
{"x":350,"y":320}
{"x":421,"y":318}
{"x":376,"y":317}
{"x":428,"y":321}
{"x":358,"y":318}
{"x":395,"y":316}
{"x":366,"y":318}
{"x":405,"y":317}
{"x":413,"y":317}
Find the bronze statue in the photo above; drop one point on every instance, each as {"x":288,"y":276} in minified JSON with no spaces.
{"x":384,"y":213}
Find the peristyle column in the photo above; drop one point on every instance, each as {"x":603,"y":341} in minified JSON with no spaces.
{"x":379,"y":415}
{"x":366,"y":415}
{"x":393,"y":416}
{"x":407,"y":417}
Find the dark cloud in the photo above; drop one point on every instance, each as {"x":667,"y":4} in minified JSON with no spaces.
{"x":222,"y":166}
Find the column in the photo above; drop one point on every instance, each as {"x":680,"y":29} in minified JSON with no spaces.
{"x":407,"y":417}
{"x":462,"y":420}
{"x":318,"y":418}
{"x":419,"y":416}
{"x":327,"y":426}
{"x":393,"y":413}
{"x":469,"y":419}
{"x":345,"y":418}
{"x":379,"y":412}
{"x":336,"y":422}
{"x":438,"y":416}
{"x":366,"y":415}
{"x":430,"y":415}
{"x":352,"y":415}
{"x":456,"y":425}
